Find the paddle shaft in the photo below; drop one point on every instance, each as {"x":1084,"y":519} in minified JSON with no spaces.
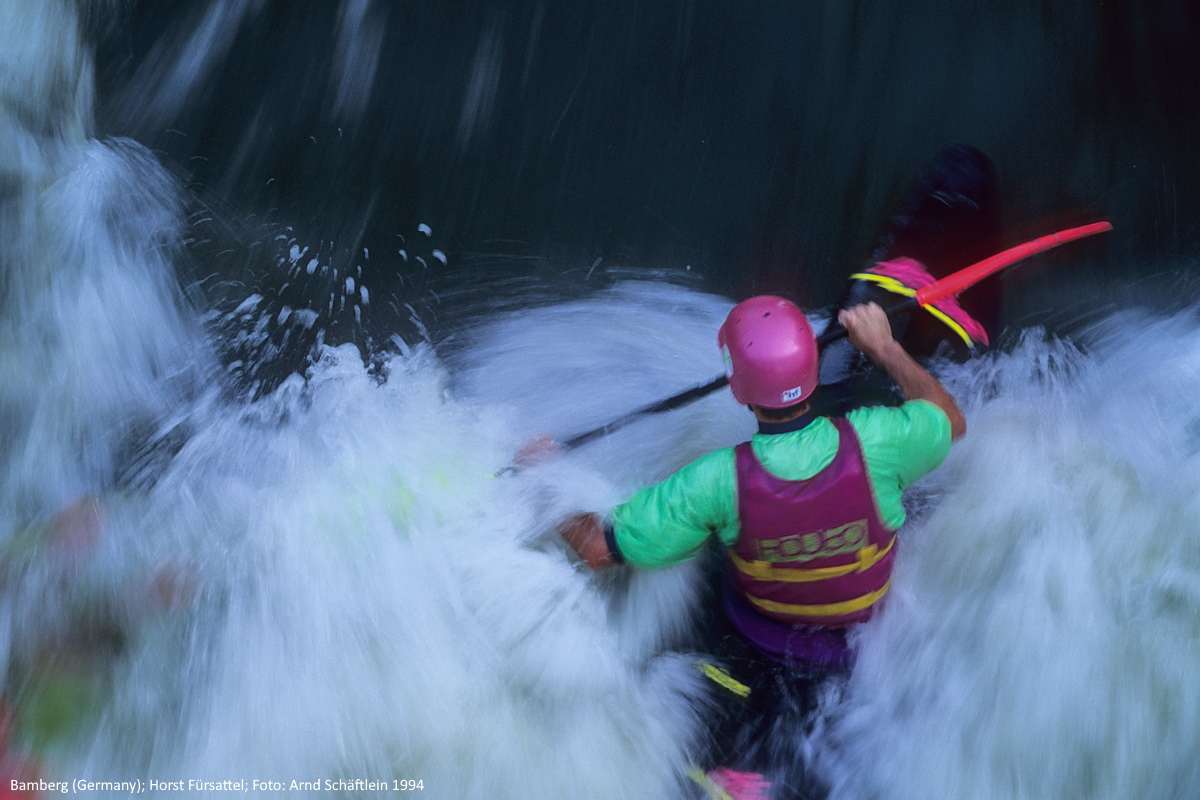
{"x":948,"y":286}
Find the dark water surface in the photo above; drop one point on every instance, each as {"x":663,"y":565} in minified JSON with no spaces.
{"x":754,"y":147}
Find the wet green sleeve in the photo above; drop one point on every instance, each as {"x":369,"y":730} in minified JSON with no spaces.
{"x":669,"y":522}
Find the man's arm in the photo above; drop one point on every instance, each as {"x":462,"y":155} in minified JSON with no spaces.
{"x":868,"y":330}
{"x":663,"y":524}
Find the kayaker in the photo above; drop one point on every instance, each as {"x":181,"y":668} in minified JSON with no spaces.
{"x":803,"y":517}
{"x":807,"y":511}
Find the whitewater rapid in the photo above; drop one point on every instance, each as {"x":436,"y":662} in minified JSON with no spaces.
{"x":371,"y":602}
{"x":330,"y":582}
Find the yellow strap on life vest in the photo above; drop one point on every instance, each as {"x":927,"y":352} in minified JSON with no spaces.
{"x":867,"y":557}
{"x":896,"y":287}
{"x":825,"y":610}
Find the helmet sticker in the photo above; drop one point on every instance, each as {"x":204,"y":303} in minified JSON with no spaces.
{"x":792,"y":394}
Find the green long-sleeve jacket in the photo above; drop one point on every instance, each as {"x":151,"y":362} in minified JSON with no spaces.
{"x":669,"y":522}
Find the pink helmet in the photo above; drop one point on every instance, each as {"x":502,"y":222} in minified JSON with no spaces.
{"x":770,"y":352}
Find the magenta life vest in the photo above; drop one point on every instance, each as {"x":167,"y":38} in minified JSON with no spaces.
{"x":812,"y":552}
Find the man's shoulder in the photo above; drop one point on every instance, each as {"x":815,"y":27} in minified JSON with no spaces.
{"x":714,"y":461}
{"x":914,"y":418}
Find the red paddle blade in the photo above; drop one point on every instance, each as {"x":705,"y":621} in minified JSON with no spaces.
{"x":955,"y":282}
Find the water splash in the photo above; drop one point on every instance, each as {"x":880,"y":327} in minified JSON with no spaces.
{"x":98,"y":346}
{"x":1044,"y":619}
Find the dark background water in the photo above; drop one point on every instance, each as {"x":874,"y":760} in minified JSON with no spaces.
{"x":748,"y":147}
